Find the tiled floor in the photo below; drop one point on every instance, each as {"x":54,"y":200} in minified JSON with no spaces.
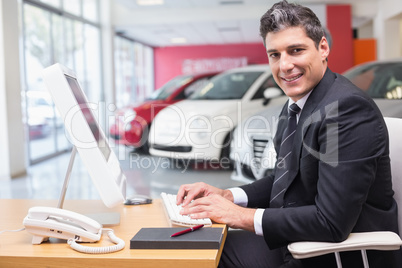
{"x":145,"y":174}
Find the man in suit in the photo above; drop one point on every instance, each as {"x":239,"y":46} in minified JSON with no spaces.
{"x":333,"y":179}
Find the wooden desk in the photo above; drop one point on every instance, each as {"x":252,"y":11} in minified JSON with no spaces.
{"x":16,"y":249}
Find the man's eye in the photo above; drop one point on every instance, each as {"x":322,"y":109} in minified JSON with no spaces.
{"x":273,"y":55}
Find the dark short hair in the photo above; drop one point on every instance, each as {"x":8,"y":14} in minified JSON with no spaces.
{"x":283,"y":15}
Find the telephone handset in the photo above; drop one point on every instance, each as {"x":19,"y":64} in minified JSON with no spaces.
{"x":45,"y":222}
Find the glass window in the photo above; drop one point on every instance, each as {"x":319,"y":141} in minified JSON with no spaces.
{"x":58,"y":39}
{"x":73,"y":7}
{"x":124,"y":70}
{"x":55,"y":3}
{"x":133,"y":72}
{"x":92,"y":64}
{"x":148,"y":67}
{"x":37,"y":40}
{"x":144,"y":70}
{"x":139,"y":61}
{"x":69,"y":44}
{"x":90,"y":10}
{"x":39,"y":109}
{"x":78,"y":52}
{"x":50,"y":37}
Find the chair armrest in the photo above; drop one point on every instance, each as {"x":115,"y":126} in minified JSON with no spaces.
{"x":355,"y":241}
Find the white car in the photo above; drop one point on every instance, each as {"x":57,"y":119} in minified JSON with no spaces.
{"x":201,"y":127}
{"x":252,"y":150}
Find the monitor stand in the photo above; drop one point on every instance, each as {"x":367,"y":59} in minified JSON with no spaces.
{"x":105,"y":218}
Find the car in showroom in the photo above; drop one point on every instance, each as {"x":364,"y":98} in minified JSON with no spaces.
{"x":132,"y":123}
{"x":201,"y":127}
{"x":252,"y":150}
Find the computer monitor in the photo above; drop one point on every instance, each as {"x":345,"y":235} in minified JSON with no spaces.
{"x":85,"y":134}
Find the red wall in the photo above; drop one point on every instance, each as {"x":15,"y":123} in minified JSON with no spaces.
{"x":339,"y":23}
{"x":168,"y":60}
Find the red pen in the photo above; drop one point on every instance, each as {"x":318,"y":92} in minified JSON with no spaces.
{"x":185,"y":231}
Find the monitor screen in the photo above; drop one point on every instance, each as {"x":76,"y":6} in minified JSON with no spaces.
{"x":98,"y":135}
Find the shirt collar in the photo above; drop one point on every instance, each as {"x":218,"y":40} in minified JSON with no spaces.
{"x":300,"y":102}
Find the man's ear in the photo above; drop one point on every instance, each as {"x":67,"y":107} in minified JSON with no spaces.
{"x":324,"y":48}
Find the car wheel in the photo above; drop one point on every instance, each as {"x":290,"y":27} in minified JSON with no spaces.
{"x":145,"y":136}
{"x":145,"y":148}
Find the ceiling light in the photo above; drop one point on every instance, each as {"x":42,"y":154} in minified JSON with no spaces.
{"x":178,"y":40}
{"x":149,"y":2}
{"x":234,"y":2}
{"x":228,"y":29}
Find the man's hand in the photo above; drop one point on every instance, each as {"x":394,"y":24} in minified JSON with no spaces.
{"x":189,"y":192}
{"x":220,"y":210}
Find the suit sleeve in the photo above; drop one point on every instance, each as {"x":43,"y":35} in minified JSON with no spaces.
{"x":258,"y":192}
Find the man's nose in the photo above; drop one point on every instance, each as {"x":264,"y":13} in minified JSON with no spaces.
{"x":286,"y":63}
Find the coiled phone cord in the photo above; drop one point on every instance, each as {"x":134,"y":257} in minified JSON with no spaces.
{"x":120,"y":244}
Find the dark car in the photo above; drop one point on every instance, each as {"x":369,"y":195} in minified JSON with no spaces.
{"x":382,"y":80}
{"x":132,"y":123}
{"x":252,"y":148}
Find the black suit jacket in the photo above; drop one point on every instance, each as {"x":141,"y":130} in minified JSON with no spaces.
{"x":340,"y":178}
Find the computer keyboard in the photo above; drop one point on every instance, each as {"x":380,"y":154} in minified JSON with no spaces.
{"x":169,"y":201}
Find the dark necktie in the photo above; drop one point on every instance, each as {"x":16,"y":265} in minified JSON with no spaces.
{"x":282,"y":163}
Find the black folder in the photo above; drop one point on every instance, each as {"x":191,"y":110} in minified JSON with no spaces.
{"x":159,"y":238}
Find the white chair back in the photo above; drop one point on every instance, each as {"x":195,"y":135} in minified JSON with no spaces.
{"x":394,"y":126}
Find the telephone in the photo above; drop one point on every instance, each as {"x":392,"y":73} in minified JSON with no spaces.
{"x":45,"y":222}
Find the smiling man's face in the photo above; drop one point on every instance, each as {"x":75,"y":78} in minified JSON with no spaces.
{"x":296,"y":63}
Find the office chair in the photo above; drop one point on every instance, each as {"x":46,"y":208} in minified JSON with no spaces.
{"x":368,"y":240}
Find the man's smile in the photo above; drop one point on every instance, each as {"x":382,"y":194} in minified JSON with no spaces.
{"x":292,"y":78}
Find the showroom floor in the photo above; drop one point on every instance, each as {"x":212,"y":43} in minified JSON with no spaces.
{"x":145,"y":174}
